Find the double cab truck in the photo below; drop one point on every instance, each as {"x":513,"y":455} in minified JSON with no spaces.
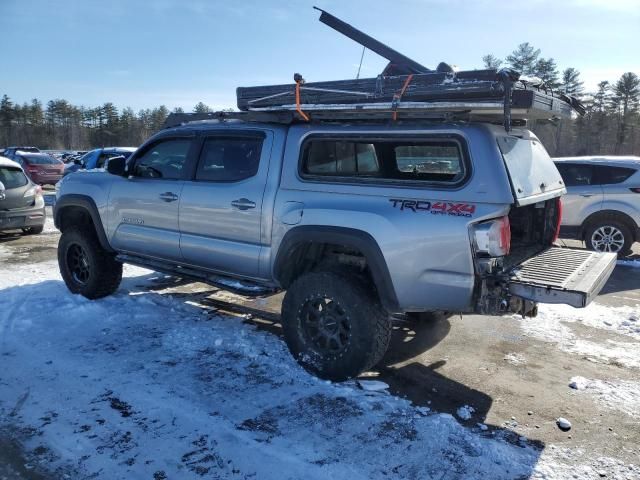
{"x":357,"y":222}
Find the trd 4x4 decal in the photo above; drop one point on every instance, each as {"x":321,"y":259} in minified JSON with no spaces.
{"x":436,"y":208}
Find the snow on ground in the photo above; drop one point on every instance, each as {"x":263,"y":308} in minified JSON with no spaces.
{"x":553,"y":324}
{"x":465,"y":412}
{"x":623,"y":396}
{"x":143,"y":385}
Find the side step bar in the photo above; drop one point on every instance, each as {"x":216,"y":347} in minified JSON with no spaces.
{"x":239,"y":287}
{"x":562,"y":275}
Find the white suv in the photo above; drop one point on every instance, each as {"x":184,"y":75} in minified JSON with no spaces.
{"x":602,"y":204}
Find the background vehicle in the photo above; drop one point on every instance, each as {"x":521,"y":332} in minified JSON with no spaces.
{"x":97,"y":158}
{"x":43,"y":169}
{"x":21,"y":201}
{"x":340,"y":217}
{"x":602,"y":204}
{"x":10,"y":152}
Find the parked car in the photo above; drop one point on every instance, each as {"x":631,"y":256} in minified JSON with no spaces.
{"x":21,"y":200}
{"x":10,"y":152}
{"x":43,"y":169}
{"x":97,"y":158}
{"x":329,"y":214}
{"x":602,"y":204}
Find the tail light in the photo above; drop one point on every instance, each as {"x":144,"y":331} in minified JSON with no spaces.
{"x":35,"y":191}
{"x":493,"y":238}
{"x":558,"y":219}
{"x":635,"y":189}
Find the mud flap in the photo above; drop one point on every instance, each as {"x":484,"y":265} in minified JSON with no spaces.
{"x":562,"y":275}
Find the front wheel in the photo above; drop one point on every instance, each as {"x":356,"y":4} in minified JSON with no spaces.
{"x":334,"y":325}
{"x":609,"y":236}
{"x":86,"y":267}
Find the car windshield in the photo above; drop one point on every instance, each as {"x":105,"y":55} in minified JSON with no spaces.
{"x":40,"y":160}
{"x":12,"y":177}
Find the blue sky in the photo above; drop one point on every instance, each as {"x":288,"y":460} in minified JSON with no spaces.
{"x":177,"y":52}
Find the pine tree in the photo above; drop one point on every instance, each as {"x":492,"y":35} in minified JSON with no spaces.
{"x":523,"y":59}
{"x":547,"y":70}
{"x":571,"y":83}
{"x":625,"y":98}
{"x":201,"y":108}
{"x":490,"y":61}
{"x":7,"y":114}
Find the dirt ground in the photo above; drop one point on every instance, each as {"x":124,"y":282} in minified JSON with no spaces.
{"x":510,"y":379}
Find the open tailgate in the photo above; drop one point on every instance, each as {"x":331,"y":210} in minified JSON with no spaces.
{"x":562,"y":275}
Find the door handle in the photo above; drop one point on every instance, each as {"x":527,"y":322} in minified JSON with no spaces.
{"x":243,"y":204}
{"x":168,"y":197}
{"x":587,"y":195}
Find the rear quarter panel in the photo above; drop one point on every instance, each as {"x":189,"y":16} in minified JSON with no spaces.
{"x":428,"y":253}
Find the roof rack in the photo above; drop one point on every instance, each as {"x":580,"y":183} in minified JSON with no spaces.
{"x":405,"y":90}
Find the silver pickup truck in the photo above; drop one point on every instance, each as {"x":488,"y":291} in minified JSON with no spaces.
{"x":356,"y":222}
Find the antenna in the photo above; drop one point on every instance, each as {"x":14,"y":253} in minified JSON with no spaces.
{"x":360,"y":66}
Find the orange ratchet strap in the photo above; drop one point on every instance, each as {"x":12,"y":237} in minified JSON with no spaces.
{"x":299,"y":81}
{"x":398,"y":96}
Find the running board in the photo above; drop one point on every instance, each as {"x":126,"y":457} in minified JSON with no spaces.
{"x":562,"y":275}
{"x":239,"y":287}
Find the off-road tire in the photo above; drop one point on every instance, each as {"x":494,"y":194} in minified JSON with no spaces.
{"x":103,"y":273}
{"x":369,"y":326}
{"x":622,"y":227}
{"x":33,"y":230}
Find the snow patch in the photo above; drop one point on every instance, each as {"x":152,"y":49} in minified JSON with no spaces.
{"x":623,"y":396}
{"x":465,"y":412}
{"x":552,"y":325}
{"x":515,"y":358}
{"x":373,"y":385}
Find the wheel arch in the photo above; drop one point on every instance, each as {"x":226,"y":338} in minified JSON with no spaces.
{"x":609,"y":214}
{"x":74,"y":209}
{"x":299,"y":245}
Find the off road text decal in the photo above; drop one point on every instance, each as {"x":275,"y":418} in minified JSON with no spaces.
{"x":436,"y":208}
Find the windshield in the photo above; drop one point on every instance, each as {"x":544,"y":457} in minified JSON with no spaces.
{"x":12,"y":177}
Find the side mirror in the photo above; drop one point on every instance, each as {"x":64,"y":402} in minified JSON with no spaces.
{"x":77,"y":161}
{"x":117,"y":166}
{"x":2,"y":191}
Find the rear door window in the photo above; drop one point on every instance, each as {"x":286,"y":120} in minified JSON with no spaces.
{"x":576,"y":174}
{"x":12,"y":177}
{"x":225,"y":159}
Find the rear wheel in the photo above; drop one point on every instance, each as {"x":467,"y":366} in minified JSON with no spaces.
{"x":85,"y":266}
{"x":334,"y":325}
{"x":609,"y":236}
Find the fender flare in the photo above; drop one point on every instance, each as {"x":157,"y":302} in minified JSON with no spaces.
{"x":348,"y":237}
{"x":86,"y":203}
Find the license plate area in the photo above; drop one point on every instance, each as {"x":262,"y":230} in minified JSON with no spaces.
{"x":562,"y":275}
